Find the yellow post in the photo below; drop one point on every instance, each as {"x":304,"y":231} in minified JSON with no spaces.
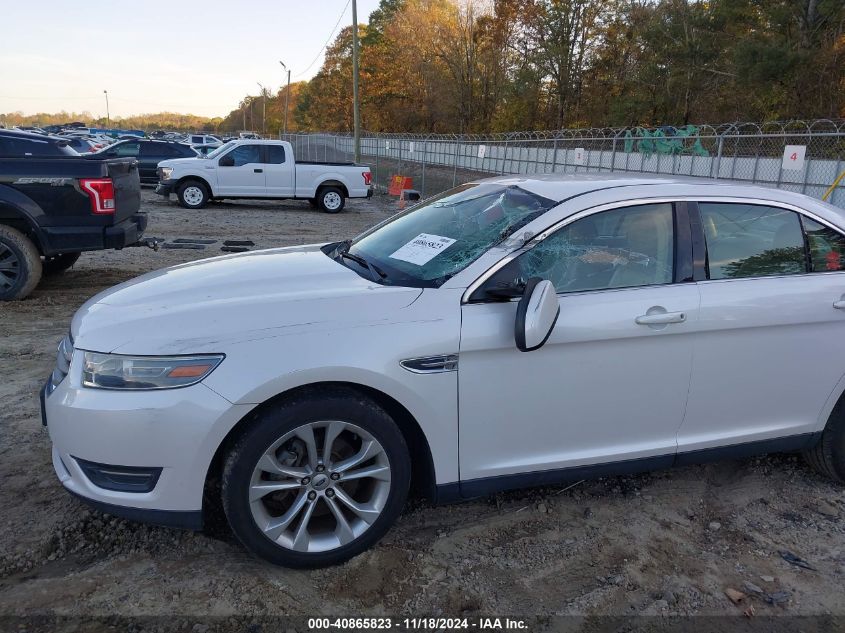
{"x":833,"y":186}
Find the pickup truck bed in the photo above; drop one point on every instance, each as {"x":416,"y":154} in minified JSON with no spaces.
{"x":54,"y":207}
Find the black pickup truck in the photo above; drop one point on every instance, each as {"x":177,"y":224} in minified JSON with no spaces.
{"x":55,"y":204}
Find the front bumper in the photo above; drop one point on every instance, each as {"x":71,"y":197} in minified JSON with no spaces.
{"x":175,"y":430}
{"x":164,"y":188}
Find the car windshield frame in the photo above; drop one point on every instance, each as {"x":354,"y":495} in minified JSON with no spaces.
{"x":462,"y":223}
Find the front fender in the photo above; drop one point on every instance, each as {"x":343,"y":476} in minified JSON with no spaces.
{"x":436,"y":416}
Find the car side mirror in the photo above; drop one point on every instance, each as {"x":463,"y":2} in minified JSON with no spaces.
{"x":226,"y":161}
{"x":536,"y":314}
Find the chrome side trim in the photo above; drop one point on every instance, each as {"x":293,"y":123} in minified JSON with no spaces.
{"x":431,"y":364}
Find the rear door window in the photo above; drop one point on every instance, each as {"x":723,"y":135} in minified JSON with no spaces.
{"x":827,"y":247}
{"x":153,"y":150}
{"x":275,"y":154}
{"x":127,"y":149}
{"x":749,"y":240}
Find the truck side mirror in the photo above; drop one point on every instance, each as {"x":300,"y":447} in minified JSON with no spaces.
{"x":226,"y":161}
{"x":536,"y":314}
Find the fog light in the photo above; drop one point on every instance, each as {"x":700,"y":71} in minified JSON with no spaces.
{"x":120,"y":478}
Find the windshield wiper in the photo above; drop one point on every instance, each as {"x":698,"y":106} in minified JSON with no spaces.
{"x":374,"y":270}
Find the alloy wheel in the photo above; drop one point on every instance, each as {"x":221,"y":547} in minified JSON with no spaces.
{"x":320,"y":486}
{"x":10,"y":267}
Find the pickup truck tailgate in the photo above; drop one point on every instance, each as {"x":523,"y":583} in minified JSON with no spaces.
{"x":127,"y":187}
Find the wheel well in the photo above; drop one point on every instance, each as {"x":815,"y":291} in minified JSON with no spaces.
{"x":333,"y":183}
{"x":10,"y":216}
{"x":423,"y":481}
{"x":199,"y":179}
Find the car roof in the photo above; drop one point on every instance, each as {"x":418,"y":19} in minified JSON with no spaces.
{"x":559,"y":187}
{"x":148,"y":140}
{"x":33,"y":136}
{"x":596,"y":188}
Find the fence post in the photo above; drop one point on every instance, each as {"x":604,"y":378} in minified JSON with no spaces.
{"x":424,"y":157}
{"x":455,"y":164}
{"x":613,"y":154}
{"x":718,"y":161}
{"x":378,"y":154}
{"x":554,"y":155}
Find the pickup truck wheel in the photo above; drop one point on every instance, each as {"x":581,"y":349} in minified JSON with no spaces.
{"x":193,"y":194}
{"x":57,"y":264}
{"x":331,"y":200}
{"x":316,"y":479}
{"x":20,"y":264}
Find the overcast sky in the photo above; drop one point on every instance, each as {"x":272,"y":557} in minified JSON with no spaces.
{"x":189,"y":56}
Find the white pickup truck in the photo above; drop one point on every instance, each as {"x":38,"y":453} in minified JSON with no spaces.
{"x":247,"y":168}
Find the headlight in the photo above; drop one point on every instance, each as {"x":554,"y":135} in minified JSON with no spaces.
{"x":112,"y":371}
{"x":165,"y":172}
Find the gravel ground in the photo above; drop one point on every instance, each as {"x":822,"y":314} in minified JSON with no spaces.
{"x":664,"y":543}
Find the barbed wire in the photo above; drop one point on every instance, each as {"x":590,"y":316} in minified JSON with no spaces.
{"x":747,"y":128}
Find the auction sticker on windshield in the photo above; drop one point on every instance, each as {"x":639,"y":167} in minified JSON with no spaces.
{"x":422,"y":249}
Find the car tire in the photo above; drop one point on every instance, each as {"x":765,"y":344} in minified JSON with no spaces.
{"x":827,"y":456}
{"x":331,"y":200}
{"x":193,"y":194}
{"x":270,"y":524}
{"x":57,"y":264}
{"x":20,"y":264}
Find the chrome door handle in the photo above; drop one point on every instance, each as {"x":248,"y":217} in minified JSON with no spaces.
{"x":661,"y":318}
{"x":839,"y":305}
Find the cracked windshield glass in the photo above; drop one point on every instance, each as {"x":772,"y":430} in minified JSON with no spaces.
{"x":428,"y":244}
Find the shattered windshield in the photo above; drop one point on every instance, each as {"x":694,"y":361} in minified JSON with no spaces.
{"x":428,"y":244}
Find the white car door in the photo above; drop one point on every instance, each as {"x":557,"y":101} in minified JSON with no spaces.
{"x":610,"y":384}
{"x":769,"y":354}
{"x":278,"y":172}
{"x":240,"y":172}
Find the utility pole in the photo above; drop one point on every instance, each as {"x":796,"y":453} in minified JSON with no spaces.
{"x":263,"y":109}
{"x":356,"y":114}
{"x":287,"y":99}
{"x":108,"y":117}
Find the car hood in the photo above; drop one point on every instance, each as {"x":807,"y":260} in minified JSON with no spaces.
{"x":209,"y":305}
{"x":174,"y":162}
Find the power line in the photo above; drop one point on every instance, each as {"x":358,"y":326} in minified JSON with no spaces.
{"x":331,"y":35}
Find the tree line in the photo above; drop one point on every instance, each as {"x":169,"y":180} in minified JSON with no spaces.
{"x":476,"y":66}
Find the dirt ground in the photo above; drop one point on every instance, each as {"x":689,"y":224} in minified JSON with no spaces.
{"x":664,"y":543}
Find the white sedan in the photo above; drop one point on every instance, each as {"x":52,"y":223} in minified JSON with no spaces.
{"x":517,"y":331}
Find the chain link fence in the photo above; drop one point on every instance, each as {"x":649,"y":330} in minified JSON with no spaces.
{"x":748,"y":152}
